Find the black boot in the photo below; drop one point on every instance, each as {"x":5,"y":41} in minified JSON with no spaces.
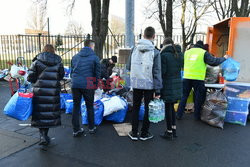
{"x":167,"y":135}
{"x":44,"y":138}
{"x":174,"y":133}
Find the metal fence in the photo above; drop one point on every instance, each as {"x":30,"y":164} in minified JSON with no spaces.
{"x":28,"y":46}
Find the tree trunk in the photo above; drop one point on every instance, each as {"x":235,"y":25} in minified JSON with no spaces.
{"x":169,"y":19}
{"x":243,"y":10}
{"x":184,"y":44}
{"x":100,"y":12}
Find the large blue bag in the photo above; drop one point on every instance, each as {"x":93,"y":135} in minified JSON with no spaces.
{"x":230,"y":69}
{"x":141,"y":112}
{"x":98,"y":112}
{"x":19,"y":106}
{"x":69,"y":106}
{"x":63,"y":98}
{"x":118,"y":116}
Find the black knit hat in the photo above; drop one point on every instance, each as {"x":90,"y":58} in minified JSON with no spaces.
{"x":114,"y":59}
{"x":199,"y":44}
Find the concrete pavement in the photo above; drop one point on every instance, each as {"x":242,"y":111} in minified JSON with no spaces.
{"x":198,"y":145}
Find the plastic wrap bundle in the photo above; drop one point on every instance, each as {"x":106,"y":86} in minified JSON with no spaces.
{"x":129,"y":97}
{"x":214,"y":109}
{"x":212,"y":74}
{"x":156,"y":111}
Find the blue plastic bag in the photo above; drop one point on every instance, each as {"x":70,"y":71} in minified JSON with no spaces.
{"x":67,"y":72}
{"x":98,"y":112}
{"x":141,"y":112}
{"x":63,"y":98}
{"x":69,"y":106}
{"x":230,"y":69}
{"x":118,"y":116}
{"x":19,"y":106}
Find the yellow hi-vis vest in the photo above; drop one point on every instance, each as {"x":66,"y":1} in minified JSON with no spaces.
{"x":194,"y":65}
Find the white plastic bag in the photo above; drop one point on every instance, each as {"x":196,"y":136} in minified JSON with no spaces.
{"x":113,"y":104}
{"x":98,"y":94}
{"x":14,"y":71}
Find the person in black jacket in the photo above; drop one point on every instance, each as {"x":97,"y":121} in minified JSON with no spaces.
{"x":107,"y":66}
{"x":172,"y":61}
{"x":45,"y":73}
{"x":85,"y":74}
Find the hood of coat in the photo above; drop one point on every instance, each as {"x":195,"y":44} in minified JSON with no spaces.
{"x":49,"y":59}
{"x":145,"y":45}
{"x":86,"y":51}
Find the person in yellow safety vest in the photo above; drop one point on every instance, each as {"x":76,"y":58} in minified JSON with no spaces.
{"x":195,"y":60}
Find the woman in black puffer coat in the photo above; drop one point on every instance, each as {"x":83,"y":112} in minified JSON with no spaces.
{"x":45,"y":73}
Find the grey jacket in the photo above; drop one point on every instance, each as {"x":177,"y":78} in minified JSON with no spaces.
{"x":144,"y":65}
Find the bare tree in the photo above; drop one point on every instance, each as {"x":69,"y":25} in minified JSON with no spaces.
{"x":100,"y":13}
{"x":37,"y":20}
{"x":231,"y":8}
{"x":189,"y":26}
{"x":74,"y":29}
{"x":241,"y":8}
{"x":223,"y":9}
{"x":163,"y":10}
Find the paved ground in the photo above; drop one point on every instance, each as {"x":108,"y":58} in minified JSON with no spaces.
{"x":198,"y":145}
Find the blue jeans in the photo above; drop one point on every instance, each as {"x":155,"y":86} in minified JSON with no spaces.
{"x":199,"y":96}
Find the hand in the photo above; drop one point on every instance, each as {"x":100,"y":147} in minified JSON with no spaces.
{"x":226,"y":56}
{"x":157,"y":97}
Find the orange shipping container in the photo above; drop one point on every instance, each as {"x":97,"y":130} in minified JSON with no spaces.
{"x":232,"y":37}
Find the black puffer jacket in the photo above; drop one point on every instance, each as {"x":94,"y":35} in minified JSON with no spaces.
{"x":45,"y":74}
{"x":106,"y":68}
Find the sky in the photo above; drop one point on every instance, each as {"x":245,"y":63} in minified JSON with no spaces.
{"x":14,"y":15}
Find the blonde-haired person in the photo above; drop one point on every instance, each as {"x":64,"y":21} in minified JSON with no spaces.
{"x":171,"y":64}
{"x":45,"y":74}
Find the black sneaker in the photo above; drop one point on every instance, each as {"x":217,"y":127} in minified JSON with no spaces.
{"x":167,"y":135}
{"x":78,"y":133}
{"x":92,"y":131}
{"x":147,"y":136}
{"x":133,"y":136}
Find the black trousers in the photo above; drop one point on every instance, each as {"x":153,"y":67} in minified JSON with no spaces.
{"x":138,"y":94}
{"x":44,"y":131}
{"x":199,"y":93}
{"x":88,"y":95}
{"x":170,"y":115}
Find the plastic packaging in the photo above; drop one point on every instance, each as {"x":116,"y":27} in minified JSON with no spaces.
{"x":212,"y":74}
{"x":98,"y":94}
{"x":230,"y":69}
{"x":19,"y":106}
{"x":214,"y":109}
{"x":98,"y":113}
{"x":112,"y":104}
{"x":118,"y":116}
{"x":156,"y":111}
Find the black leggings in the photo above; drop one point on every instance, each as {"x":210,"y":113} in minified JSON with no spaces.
{"x":170,"y":115}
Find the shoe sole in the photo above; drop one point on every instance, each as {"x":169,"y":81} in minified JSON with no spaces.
{"x":78,"y":134}
{"x":92,"y":132}
{"x":133,"y":138}
{"x":148,"y":138}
